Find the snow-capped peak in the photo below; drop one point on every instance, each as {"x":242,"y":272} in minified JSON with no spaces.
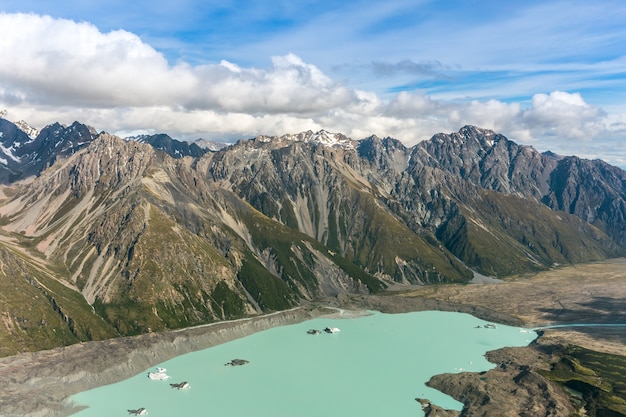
{"x":28,"y":129}
{"x":333,"y":140}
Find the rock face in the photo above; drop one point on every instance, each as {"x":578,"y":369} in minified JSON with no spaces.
{"x":172,"y":147}
{"x":594,"y":191}
{"x":488,"y":160}
{"x":509,"y":390}
{"x":149,"y":242}
{"x":22,"y":156}
{"x":432,"y":410}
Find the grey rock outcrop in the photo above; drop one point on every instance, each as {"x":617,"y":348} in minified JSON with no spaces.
{"x":509,"y":390}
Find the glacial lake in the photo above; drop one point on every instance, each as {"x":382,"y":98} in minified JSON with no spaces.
{"x":375,"y":366}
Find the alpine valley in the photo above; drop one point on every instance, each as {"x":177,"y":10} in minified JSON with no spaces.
{"x":104,"y":237}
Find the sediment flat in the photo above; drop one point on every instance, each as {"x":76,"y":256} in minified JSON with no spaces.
{"x":593,"y":293}
{"x":40,"y":383}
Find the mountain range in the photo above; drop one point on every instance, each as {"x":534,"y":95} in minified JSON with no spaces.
{"x":103,"y":236}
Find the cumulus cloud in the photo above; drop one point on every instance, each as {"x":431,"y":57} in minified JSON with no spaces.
{"x":53,"y":61}
{"x":61,"y":70}
{"x":47,"y":61}
{"x":564,"y":114}
{"x":288,"y":86}
{"x":557,"y":116}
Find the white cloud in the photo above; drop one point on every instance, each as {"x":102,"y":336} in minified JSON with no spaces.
{"x":61,"y":70}
{"x":564,"y":115}
{"x":48,"y":60}
{"x":288,"y":86}
{"x":550,"y":117}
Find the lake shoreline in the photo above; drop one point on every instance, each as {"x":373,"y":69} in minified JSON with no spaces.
{"x":41,"y":383}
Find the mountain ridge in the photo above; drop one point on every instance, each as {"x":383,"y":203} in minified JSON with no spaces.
{"x":150,"y":239}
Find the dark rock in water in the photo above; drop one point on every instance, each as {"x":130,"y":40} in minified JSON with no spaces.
{"x":236,"y":362}
{"x":181,"y":385}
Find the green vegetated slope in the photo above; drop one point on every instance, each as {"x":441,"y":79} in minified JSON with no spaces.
{"x":300,"y":261}
{"x":380,"y":243}
{"x":172,"y":279}
{"x":531,"y":236}
{"x":39,"y":312}
{"x":598,"y":377}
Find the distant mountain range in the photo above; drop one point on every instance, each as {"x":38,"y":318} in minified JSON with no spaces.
{"x":26,"y":151}
{"x":103,"y":236}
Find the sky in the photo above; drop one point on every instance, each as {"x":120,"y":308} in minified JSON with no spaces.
{"x":546,"y":73}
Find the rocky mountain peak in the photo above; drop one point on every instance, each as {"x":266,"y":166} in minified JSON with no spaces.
{"x":21,"y":124}
{"x":323,"y":137}
{"x":552,"y":155}
{"x":457,"y":151}
{"x":173,"y":147}
{"x":28,"y":129}
{"x":386,"y":153}
{"x":488,"y":160}
{"x":22,"y":155}
{"x":107,"y":149}
{"x":472,"y":137}
{"x":11,"y":136}
{"x":107,"y":163}
{"x":210,"y":145}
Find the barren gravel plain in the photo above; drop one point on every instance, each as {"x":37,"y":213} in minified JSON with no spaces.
{"x":593,"y":293}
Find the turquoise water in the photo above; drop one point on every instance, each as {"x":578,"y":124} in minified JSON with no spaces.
{"x":375,"y":366}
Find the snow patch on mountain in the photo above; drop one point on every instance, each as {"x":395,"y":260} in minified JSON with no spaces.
{"x":323,"y":137}
{"x":211,"y":145}
{"x":8,"y":152}
{"x":28,"y":129}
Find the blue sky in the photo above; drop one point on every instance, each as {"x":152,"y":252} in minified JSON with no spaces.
{"x":551,"y":74}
